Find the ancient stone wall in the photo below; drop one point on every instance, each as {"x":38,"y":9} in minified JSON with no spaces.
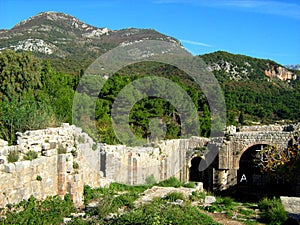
{"x":162,"y":160}
{"x":64,"y":164}
{"x":68,"y":159}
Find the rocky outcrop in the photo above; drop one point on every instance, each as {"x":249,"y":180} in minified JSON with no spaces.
{"x":280,"y":72}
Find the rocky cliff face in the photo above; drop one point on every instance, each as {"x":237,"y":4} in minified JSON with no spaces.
{"x":280,"y":72}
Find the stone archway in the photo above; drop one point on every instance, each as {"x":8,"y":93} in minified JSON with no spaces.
{"x":249,"y":174}
{"x":205,"y":176}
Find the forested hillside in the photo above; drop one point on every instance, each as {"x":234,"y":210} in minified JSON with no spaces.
{"x":251,"y":93}
{"x":34,"y":95}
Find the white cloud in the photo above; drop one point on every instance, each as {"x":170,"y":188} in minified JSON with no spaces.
{"x":195,"y":43}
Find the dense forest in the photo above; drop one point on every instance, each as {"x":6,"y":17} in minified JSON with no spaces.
{"x":34,"y":95}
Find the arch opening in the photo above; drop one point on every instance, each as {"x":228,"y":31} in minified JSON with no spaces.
{"x":249,"y":174}
{"x":205,"y":176}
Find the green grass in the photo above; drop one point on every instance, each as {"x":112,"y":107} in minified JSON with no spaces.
{"x":174,"y":196}
{"x":272,"y":211}
{"x":158,"y":213}
{"x":246,"y":212}
{"x":171,"y":182}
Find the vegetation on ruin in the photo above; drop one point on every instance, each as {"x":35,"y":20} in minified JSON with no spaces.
{"x":281,"y":163}
{"x":30,"y":155}
{"x":13,"y":156}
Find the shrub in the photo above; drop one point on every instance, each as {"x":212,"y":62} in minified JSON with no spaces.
{"x":30,"y":155}
{"x":197,"y":196}
{"x":150,"y":179}
{"x":13,"y":156}
{"x":171,"y":182}
{"x":39,"y":178}
{"x":272,"y":211}
{"x":190,"y":185}
{"x":227,"y":202}
{"x":174,"y":196}
{"x":52,"y":210}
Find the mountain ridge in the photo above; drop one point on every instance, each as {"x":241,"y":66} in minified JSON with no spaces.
{"x":57,"y":35}
{"x":72,"y":45}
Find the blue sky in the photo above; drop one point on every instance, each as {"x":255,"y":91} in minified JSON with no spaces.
{"x":258,"y":28}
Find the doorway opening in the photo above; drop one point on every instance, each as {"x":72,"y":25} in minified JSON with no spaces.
{"x":205,"y":176}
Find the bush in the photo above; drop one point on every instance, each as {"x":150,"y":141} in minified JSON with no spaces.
{"x":171,"y":182}
{"x":174,"y":196}
{"x":197,"y":196}
{"x":30,"y":155}
{"x":190,"y":185}
{"x":13,"y":156}
{"x":227,"y":202}
{"x":150,"y":179}
{"x":272,"y":211}
{"x":39,"y":178}
{"x":52,"y":210}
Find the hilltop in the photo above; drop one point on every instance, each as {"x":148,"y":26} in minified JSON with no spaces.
{"x":68,"y":42}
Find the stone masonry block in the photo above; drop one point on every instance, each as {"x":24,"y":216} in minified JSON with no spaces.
{"x":9,"y":168}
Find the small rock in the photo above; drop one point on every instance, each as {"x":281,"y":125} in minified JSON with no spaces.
{"x":210,"y":199}
{"x":111,"y":216}
{"x":291,"y":206}
{"x":74,"y":215}
{"x":66,"y":220}
{"x":199,"y":186}
{"x":179,"y":201}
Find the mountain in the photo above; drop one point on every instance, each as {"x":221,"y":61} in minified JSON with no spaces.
{"x":64,"y":38}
